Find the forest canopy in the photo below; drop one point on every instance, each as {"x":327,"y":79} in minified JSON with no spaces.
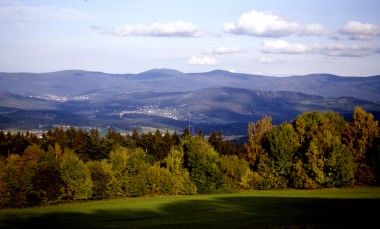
{"x":316,"y":150}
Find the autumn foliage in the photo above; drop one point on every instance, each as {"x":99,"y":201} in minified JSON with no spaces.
{"x":316,"y":150}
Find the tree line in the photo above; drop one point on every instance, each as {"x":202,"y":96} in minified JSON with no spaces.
{"x":316,"y":150}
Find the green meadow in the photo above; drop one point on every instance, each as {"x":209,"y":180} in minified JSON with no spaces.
{"x":326,"y":208}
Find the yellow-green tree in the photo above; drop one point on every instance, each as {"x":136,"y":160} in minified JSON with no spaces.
{"x":14,"y":193}
{"x":281,"y":145}
{"x":118,"y":160}
{"x":256,"y":135}
{"x":3,"y":185}
{"x":202,"y":161}
{"x":76,"y":177}
{"x":102,"y":177}
{"x":362,"y":133}
{"x":136,"y":176}
{"x":160,"y":181}
{"x":233,"y":170}
{"x":47,"y":181}
{"x":182,"y":184}
{"x":323,"y":157}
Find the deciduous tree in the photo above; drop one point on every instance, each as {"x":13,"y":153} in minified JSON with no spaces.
{"x":203,"y":164}
{"x":281,"y":144}
{"x":76,"y":177}
{"x":103,"y":179}
{"x":363,"y":131}
{"x":256,"y":135}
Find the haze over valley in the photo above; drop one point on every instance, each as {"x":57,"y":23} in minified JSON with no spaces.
{"x":169,"y":99}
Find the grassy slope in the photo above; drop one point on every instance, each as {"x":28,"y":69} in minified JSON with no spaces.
{"x":333,"y":208}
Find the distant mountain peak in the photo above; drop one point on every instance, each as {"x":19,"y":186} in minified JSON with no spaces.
{"x":219,"y":71}
{"x":74,"y":71}
{"x":325,"y":75}
{"x":166,"y":71}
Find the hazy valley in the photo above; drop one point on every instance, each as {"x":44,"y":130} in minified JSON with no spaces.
{"x":169,"y":99}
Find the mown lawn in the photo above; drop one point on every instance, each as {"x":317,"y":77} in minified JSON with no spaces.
{"x":328,"y":208}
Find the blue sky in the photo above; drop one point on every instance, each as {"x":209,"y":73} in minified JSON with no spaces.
{"x":278,"y":38}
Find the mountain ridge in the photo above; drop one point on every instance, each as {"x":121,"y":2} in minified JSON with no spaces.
{"x":168,"y":98}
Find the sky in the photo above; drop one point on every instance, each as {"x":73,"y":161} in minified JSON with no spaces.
{"x":266,"y":37}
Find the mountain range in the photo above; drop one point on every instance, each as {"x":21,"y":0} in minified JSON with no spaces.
{"x":169,"y":99}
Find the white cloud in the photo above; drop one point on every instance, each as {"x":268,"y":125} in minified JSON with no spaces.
{"x":176,"y":29}
{"x":341,"y":50}
{"x":280,"y":46}
{"x":360,"y":31}
{"x":224,"y":50}
{"x":344,"y":50}
{"x":266,"y":60}
{"x":262,"y":24}
{"x":267,"y":24}
{"x":312,"y":30}
{"x":202,"y":60}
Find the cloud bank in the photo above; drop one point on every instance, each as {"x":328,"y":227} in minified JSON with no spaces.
{"x":266,"y":60}
{"x":342,"y":50}
{"x":223,"y":50}
{"x":267,"y":24}
{"x":202,"y":60}
{"x":360,"y":31}
{"x":280,"y":46}
{"x":346,"y":50}
{"x":156,"y":29}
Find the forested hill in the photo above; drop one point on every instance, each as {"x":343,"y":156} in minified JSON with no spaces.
{"x":169,"y":99}
{"x":78,"y":83}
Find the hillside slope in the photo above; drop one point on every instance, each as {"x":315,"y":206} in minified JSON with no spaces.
{"x":223,"y":108}
{"x":79,"y":83}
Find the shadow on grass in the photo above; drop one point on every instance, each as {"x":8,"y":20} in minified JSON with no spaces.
{"x":219,"y":212}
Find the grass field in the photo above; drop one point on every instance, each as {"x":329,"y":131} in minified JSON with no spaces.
{"x":328,"y":208}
